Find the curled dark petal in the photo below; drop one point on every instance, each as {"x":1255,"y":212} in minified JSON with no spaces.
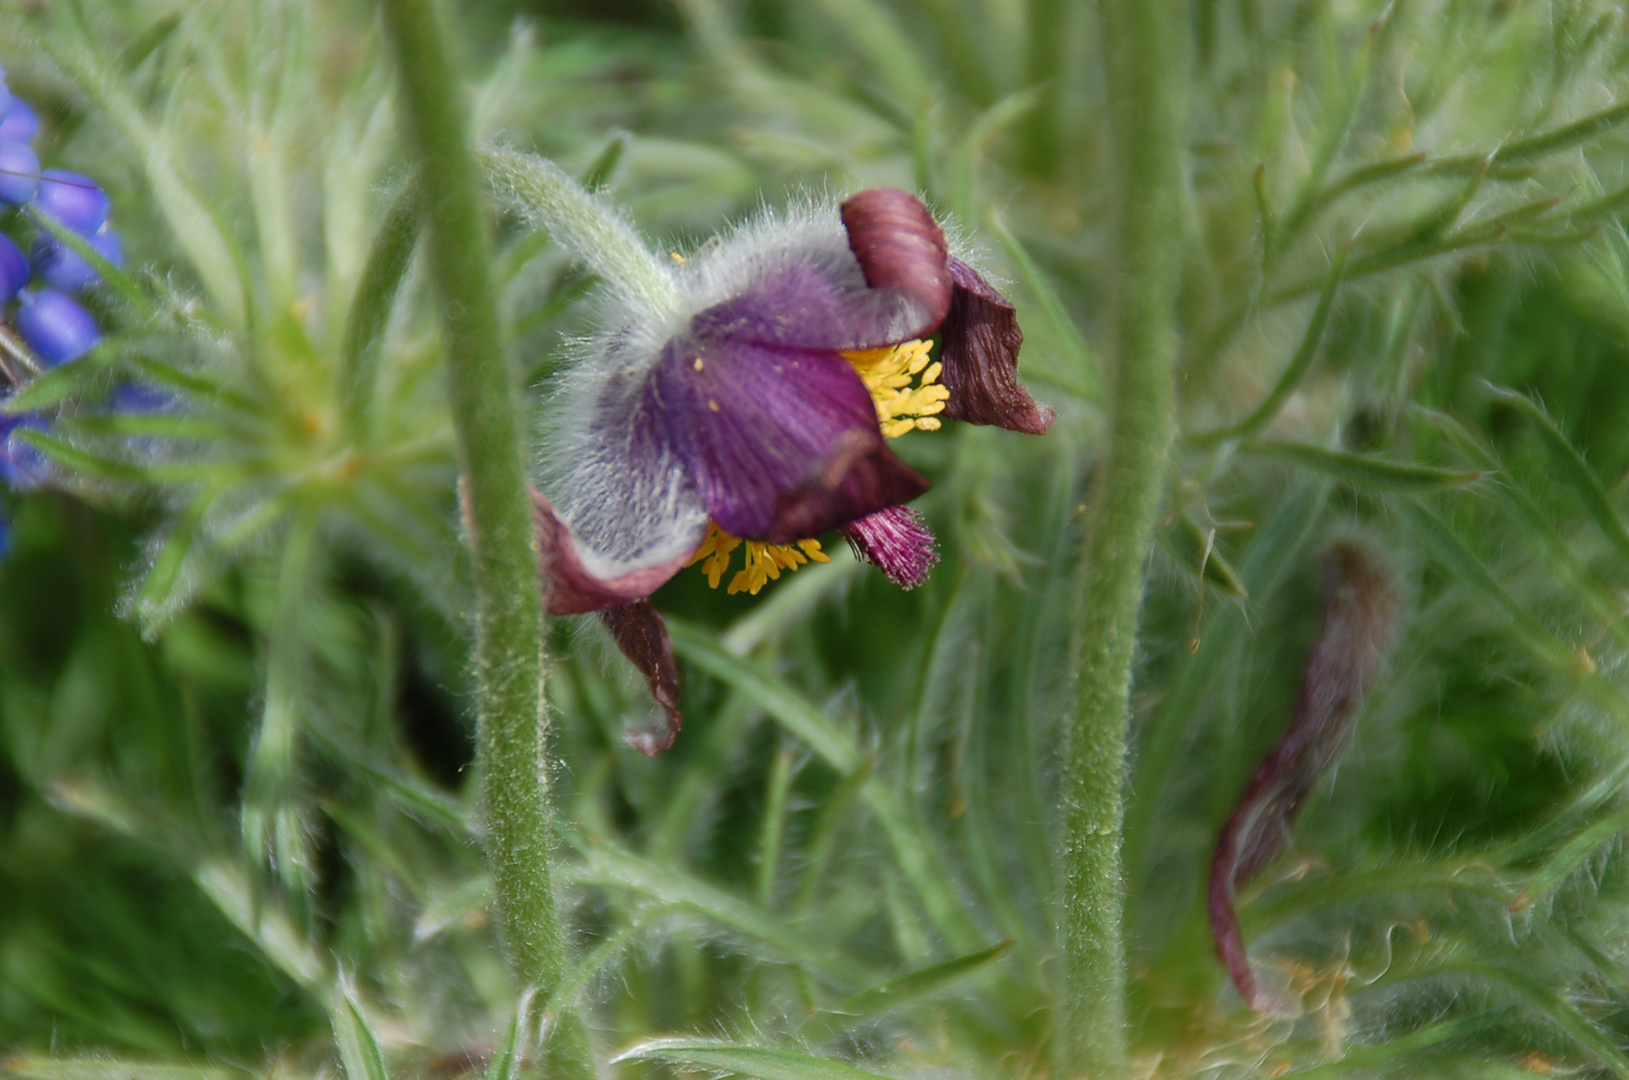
{"x":571,"y":589}
{"x":896,"y":541}
{"x":980,"y":347}
{"x":1361,"y":606}
{"x":783,"y":443}
{"x":899,"y":246}
{"x":642,"y":636}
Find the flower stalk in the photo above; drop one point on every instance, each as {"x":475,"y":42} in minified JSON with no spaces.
{"x":1145,"y":89}
{"x":509,"y":618}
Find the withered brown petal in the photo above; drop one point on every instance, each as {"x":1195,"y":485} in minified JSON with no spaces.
{"x":900,"y":246}
{"x":1361,"y":607}
{"x":980,"y":347}
{"x":642,"y":636}
{"x":569,"y":588}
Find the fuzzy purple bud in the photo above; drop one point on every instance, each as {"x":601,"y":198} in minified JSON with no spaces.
{"x":75,"y":200}
{"x":61,"y":267}
{"x":20,"y":123}
{"x":19,"y":171}
{"x":896,"y":541}
{"x":55,"y":327}
{"x":1361,"y":606}
{"x":13,"y":269}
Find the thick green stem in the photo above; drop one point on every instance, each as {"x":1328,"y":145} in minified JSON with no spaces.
{"x":509,"y":617}
{"x":1139,"y":43}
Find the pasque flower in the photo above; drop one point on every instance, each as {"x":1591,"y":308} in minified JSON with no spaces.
{"x":756,"y":413}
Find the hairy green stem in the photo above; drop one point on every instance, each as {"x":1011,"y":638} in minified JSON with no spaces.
{"x":509,"y":617}
{"x":1139,"y":41}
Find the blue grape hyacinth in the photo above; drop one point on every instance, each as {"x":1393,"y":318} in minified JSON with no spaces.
{"x":42,"y":322}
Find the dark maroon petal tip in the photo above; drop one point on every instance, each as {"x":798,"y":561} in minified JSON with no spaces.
{"x":900,"y":246}
{"x":642,"y":636}
{"x":896,"y":541}
{"x":980,"y":347}
{"x":1361,"y":606}
{"x":568,"y":586}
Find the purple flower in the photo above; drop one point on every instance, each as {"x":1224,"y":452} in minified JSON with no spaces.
{"x":13,"y":269}
{"x":19,"y":122}
{"x":62,"y":267}
{"x":73,"y":199}
{"x":55,"y":326}
{"x":19,"y":171}
{"x":759,"y":414}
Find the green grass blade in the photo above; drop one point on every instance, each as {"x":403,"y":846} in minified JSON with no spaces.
{"x":900,"y":990}
{"x":1362,"y":470}
{"x":760,"y":1062}
{"x":1571,"y":856}
{"x":358,"y":1045}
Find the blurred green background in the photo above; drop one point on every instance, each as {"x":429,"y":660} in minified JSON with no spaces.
{"x":235,"y":733}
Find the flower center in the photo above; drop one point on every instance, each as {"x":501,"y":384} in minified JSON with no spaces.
{"x":889,"y":373}
{"x":764,"y":561}
{"x":904,"y":386}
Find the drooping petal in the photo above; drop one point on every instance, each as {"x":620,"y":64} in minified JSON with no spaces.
{"x":642,"y":636}
{"x":896,"y":541}
{"x":629,"y":500}
{"x":570,"y":587}
{"x":1361,"y":606}
{"x":783,"y":444}
{"x":980,"y":347}
{"x":900,"y":247}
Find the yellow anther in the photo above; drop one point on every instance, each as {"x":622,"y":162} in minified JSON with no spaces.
{"x":764,"y":561}
{"x":889,"y":373}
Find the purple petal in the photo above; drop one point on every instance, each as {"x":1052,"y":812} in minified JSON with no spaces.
{"x":73,"y":199}
{"x":13,"y":269}
{"x":783,"y":444}
{"x":980,"y":347}
{"x":20,"y":123}
{"x":61,"y":266}
{"x":570,"y":588}
{"x":896,"y":541}
{"x":816,"y":300}
{"x":1361,"y":606}
{"x":642,"y":636}
{"x":19,"y":171}
{"x":55,"y":327}
{"x":900,"y":247}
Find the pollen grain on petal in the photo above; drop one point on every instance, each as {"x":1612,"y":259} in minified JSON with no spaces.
{"x":764,"y":562}
{"x":889,"y":374}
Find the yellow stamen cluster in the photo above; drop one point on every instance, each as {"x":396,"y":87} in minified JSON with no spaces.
{"x":764,"y":561}
{"x":889,"y":372}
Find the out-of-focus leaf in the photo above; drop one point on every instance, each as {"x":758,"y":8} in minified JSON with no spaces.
{"x":900,"y":990}
{"x":1362,"y":470}
{"x":358,"y":1045}
{"x":36,"y":1067}
{"x":761,"y":1062}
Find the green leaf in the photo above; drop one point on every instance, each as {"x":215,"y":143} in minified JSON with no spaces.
{"x":115,"y":278}
{"x":1298,"y":366}
{"x":1570,"y":857}
{"x":755,"y":1061}
{"x":1195,"y":549}
{"x":1090,"y":386}
{"x":382,"y":275}
{"x":65,"y":380}
{"x":511,"y":1049}
{"x":1362,"y":470}
{"x":358,"y":1046}
{"x":604,"y":166}
{"x":900,"y":990}
{"x":33,"y":1067}
{"x":1570,"y":465}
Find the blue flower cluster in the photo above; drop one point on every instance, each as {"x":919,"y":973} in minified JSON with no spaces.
{"x":41,"y":324}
